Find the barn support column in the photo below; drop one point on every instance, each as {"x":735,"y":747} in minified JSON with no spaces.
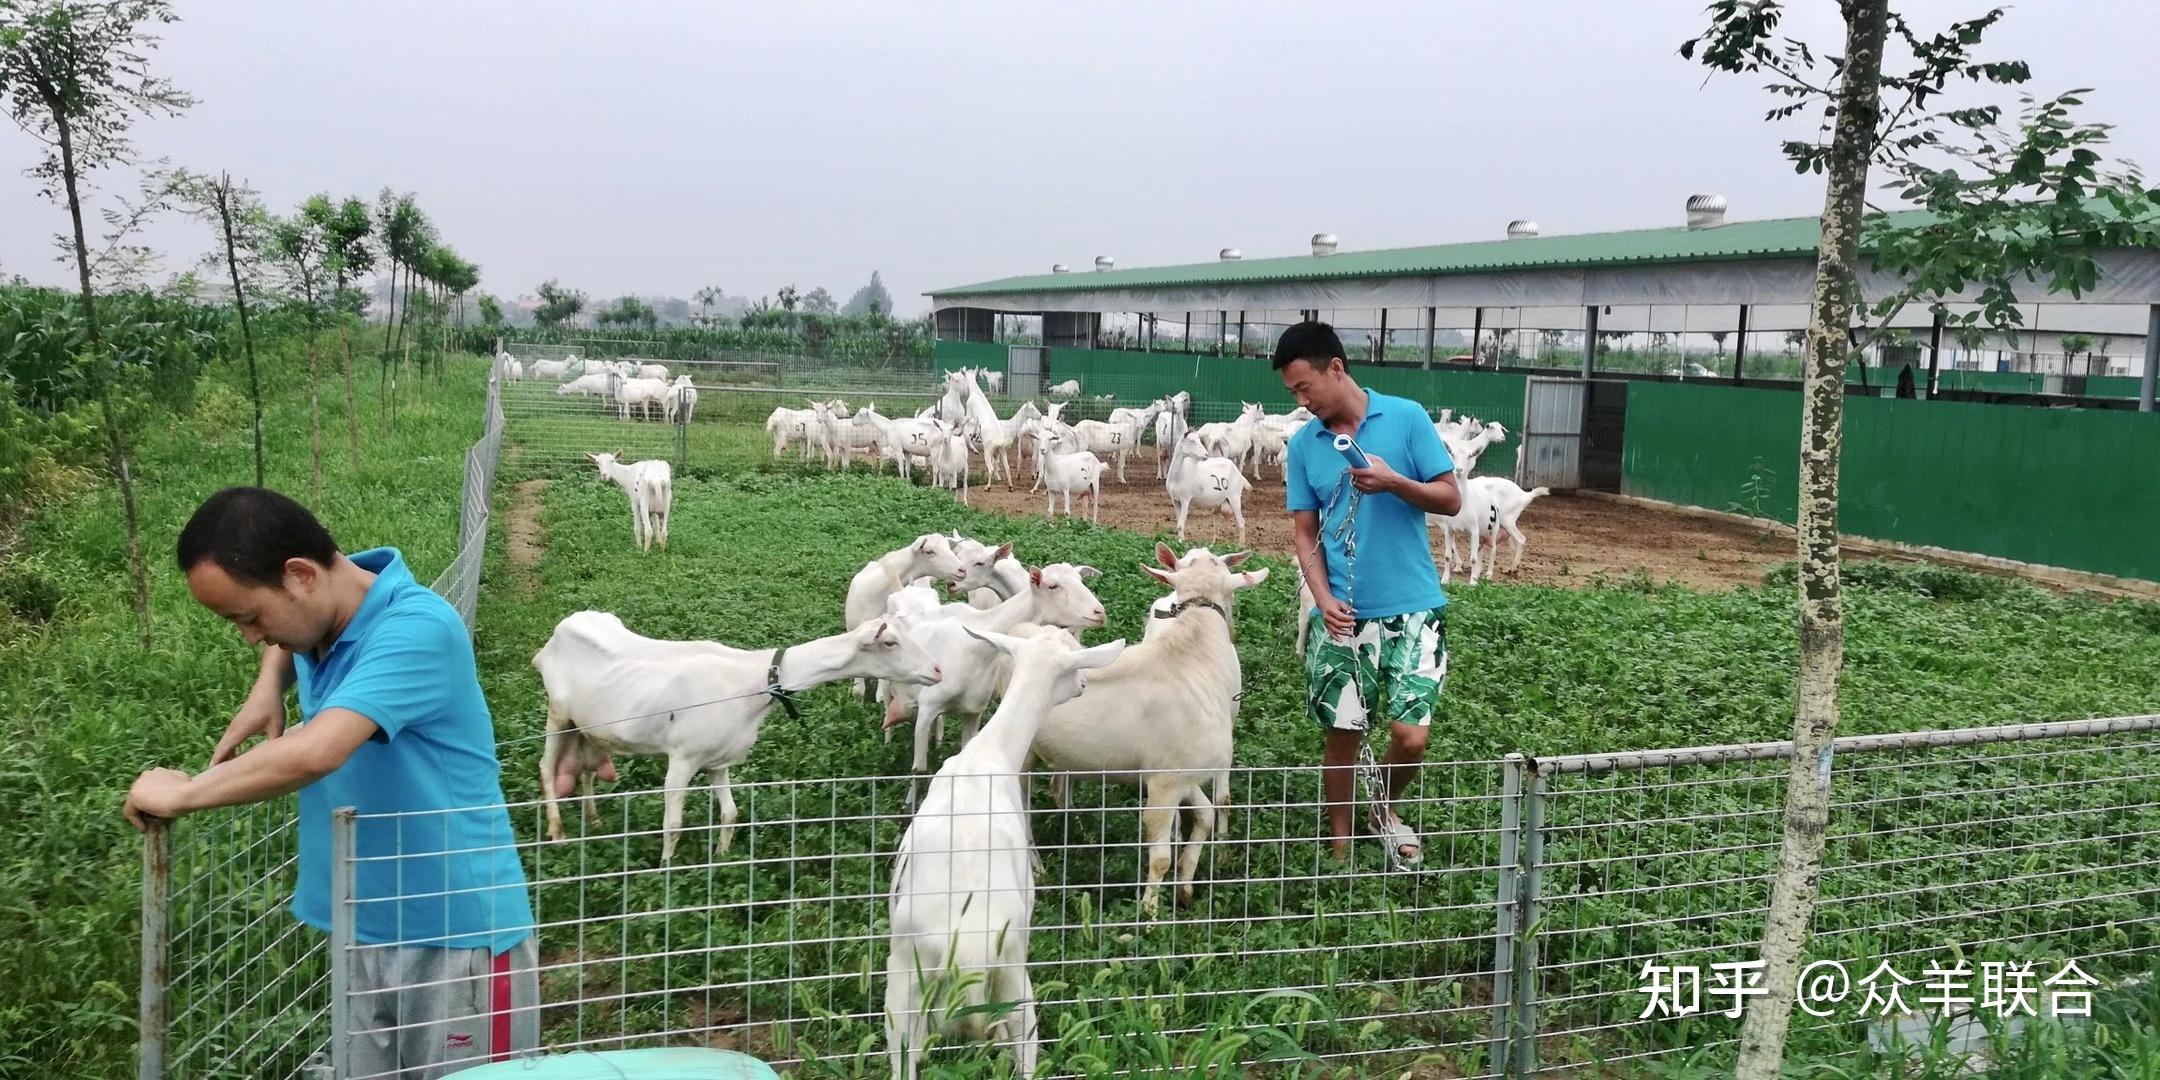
{"x":1935,"y":336}
{"x":1589,"y":341}
{"x":1739,"y":349}
{"x":2152,"y":359}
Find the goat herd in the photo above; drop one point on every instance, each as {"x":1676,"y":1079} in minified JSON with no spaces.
{"x":1204,"y":466}
{"x":1158,"y":715}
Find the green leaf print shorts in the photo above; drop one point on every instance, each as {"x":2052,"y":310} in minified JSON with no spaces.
{"x":1399,"y":661}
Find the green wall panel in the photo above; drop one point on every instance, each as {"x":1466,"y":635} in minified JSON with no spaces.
{"x":2064,"y":487}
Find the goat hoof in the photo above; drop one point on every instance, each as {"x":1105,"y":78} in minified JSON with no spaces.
{"x":1185,"y":896}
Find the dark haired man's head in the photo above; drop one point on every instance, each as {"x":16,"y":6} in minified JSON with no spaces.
{"x":262,"y":561}
{"x":1309,"y":357}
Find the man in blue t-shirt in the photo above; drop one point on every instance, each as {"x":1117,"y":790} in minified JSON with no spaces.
{"x":396,"y":728}
{"x":1379,"y":642}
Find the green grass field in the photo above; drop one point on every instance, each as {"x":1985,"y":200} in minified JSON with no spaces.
{"x":759,"y":559}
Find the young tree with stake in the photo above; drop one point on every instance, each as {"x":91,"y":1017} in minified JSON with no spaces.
{"x":301,"y":244}
{"x":244,"y":229}
{"x":347,"y":254}
{"x":2006,"y":203}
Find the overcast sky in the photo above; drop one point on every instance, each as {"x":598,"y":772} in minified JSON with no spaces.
{"x":659,"y":147}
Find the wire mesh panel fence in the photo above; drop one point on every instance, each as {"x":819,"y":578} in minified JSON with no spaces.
{"x":1997,"y":846}
{"x":232,"y":984}
{"x":460,"y":581}
{"x":1555,"y":906}
{"x":773,"y":937}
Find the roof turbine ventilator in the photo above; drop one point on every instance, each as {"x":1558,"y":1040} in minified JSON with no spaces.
{"x":1323,"y":243}
{"x":1105,"y":262}
{"x":1229,"y":254}
{"x":1705,"y":211}
{"x":1521,"y":229}
{"x":1060,"y":268}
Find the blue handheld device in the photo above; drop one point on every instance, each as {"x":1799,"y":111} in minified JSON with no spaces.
{"x":1348,"y":448}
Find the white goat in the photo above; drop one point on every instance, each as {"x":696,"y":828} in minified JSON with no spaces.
{"x":1066,"y":474}
{"x":951,"y":468}
{"x":952,"y":402}
{"x":1500,"y":503}
{"x":592,"y":384}
{"x":801,"y":426}
{"x":1271,"y":436}
{"x":998,"y":436}
{"x":1067,"y":389}
{"x":653,"y":371}
{"x":995,"y":380}
{"x":1170,"y":426}
{"x":550,"y":369}
{"x":651,"y":487}
{"x":1209,"y":482}
{"x":1235,"y":437}
{"x":931,"y":555}
{"x":963,"y":892}
{"x":1106,"y":439}
{"x":645,"y":395}
{"x":1466,"y":450}
{"x":697,"y":703}
{"x":1162,"y":717}
{"x":1057,"y":595}
{"x":681,"y":400}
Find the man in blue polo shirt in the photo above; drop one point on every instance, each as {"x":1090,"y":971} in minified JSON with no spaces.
{"x":1380,"y":639}
{"x":394,"y":726}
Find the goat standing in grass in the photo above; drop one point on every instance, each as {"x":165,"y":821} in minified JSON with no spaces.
{"x":963,"y":891}
{"x":1162,"y":717}
{"x":651,"y":487}
{"x":700,"y":704}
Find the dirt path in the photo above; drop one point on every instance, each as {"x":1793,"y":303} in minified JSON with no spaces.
{"x":1569,"y":539}
{"x":525,"y":538}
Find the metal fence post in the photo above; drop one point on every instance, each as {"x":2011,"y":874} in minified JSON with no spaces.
{"x":153,"y":1018}
{"x":1524,"y":1057}
{"x":1503,"y":988}
{"x":342,"y":823}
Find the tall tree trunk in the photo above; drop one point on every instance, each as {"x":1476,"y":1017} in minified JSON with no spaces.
{"x":1821,"y":614}
{"x":314,"y":403}
{"x":117,"y":443}
{"x":247,"y":336}
{"x":382,"y":387}
{"x":352,"y":412}
{"x":404,"y":342}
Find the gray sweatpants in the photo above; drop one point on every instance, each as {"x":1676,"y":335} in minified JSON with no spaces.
{"x":420,"y":1013}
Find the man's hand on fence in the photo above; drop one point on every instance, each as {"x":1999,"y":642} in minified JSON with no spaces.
{"x":157,"y":794}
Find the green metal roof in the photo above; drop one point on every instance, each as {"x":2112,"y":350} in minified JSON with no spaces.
{"x":1793,"y":237}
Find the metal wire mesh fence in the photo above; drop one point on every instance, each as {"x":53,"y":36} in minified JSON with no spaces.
{"x":778,"y":945}
{"x":1523,"y":945}
{"x":1993,"y":845}
{"x":460,"y":581}
{"x":232,"y":985}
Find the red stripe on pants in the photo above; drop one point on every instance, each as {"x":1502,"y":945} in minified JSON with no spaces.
{"x":502,"y":1008}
